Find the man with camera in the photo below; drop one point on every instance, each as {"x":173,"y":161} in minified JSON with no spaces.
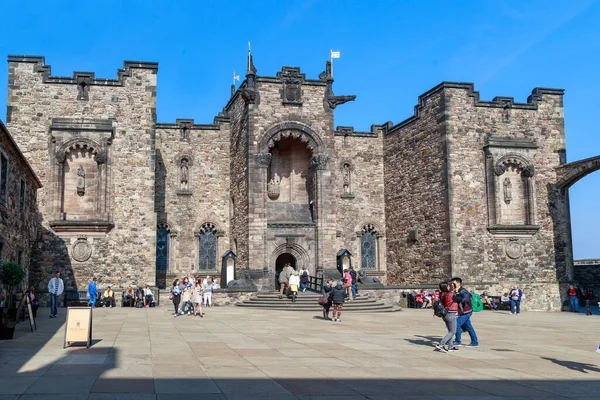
{"x":465,"y":310}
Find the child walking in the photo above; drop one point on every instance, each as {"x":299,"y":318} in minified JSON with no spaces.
{"x":294,"y":282}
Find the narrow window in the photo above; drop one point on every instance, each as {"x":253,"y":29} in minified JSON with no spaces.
{"x":1,"y":248}
{"x":20,"y":258}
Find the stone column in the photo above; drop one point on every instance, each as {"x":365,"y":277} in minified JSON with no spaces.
{"x":324,"y":212}
{"x":257,"y":210}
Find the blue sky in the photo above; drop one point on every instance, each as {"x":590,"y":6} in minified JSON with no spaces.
{"x":391,"y":51}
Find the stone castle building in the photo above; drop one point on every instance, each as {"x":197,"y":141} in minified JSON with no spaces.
{"x":463,"y":187}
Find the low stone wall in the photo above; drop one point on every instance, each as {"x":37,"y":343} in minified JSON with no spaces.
{"x":587,"y":274}
{"x":226,"y":297}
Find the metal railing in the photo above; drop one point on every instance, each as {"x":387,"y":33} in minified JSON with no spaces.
{"x":315,"y":284}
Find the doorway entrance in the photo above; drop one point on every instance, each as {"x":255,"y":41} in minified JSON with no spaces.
{"x":285,"y":258}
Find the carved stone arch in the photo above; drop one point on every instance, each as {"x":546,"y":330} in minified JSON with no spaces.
{"x":295,"y":249}
{"x":81,"y":143}
{"x":523,"y":164}
{"x":213,"y":220}
{"x":184,"y":156}
{"x":360,"y":228}
{"x":344,"y":162}
{"x":292,"y":129}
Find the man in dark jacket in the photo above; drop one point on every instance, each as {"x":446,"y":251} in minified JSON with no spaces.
{"x":327,"y":288}
{"x":337,"y":296}
{"x":465,"y":310}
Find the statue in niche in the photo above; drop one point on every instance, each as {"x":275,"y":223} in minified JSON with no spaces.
{"x":80,"y":181}
{"x":507,"y":190}
{"x":346,"y":178}
{"x":184,"y":174}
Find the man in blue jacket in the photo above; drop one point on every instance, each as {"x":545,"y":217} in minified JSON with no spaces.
{"x":92,"y":291}
{"x":465,"y":310}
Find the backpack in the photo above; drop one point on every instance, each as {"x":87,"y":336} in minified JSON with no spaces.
{"x":439,"y":310}
{"x":476,"y":302}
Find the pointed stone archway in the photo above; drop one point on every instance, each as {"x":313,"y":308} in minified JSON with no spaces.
{"x":570,"y":173}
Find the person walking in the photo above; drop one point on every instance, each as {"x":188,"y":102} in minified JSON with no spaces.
{"x":92,"y":292}
{"x":573,"y":298}
{"x":207,"y":292}
{"x":447,"y":301}
{"x":284,"y":277}
{"x":176,"y":296}
{"x":55,"y":287}
{"x":198,"y":292}
{"x":337,"y":295}
{"x":515,"y":300}
{"x":294,"y":282}
{"x":348,"y":283}
{"x":465,"y":311}
{"x":304,"y":279}
{"x":327,"y":288}
{"x":352,"y":273}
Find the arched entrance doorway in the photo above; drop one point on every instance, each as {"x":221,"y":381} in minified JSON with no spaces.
{"x":282,"y":260}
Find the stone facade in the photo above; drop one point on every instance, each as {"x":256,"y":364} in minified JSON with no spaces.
{"x":465,"y":187}
{"x":19,"y":217}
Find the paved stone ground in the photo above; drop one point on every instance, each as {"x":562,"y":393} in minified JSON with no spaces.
{"x":235,"y":353}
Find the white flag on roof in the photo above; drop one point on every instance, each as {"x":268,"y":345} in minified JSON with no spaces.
{"x":335,"y":54}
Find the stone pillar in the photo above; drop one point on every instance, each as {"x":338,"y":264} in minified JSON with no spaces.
{"x":324,"y":211}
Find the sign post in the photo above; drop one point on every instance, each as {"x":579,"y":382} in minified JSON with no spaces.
{"x":78,"y":328}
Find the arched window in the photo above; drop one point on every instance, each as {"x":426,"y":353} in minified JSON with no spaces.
{"x":368,"y":247}
{"x":208,"y":247}
{"x":162,"y":248}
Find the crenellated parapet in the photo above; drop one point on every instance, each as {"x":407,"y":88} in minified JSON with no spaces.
{"x":82,"y":78}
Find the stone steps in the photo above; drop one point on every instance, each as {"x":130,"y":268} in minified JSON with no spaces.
{"x":308,"y":302}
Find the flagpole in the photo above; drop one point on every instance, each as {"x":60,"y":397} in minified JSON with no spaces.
{"x":331,"y":60}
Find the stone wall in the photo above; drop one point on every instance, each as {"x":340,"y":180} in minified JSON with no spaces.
{"x":19,"y":217}
{"x":487,"y":142}
{"x":239,"y":180}
{"x":359,"y":191}
{"x":587,"y":272}
{"x":201,"y":197}
{"x":416,"y":202}
{"x":114,"y":119}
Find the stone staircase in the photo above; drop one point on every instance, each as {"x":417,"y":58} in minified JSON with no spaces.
{"x":308,"y":302}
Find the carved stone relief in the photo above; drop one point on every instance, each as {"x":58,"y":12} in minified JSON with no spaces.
{"x":292,"y":80}
{"x":513,"y":249}
{"x":507,"y":190}
{"x":184,"y":174}
{"x":81,"y":250}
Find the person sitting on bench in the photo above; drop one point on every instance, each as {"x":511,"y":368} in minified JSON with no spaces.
{"x":109,"y":298}
{"x":139,"y":298}
{"x":148,"y":296}
{"x":485,"y":299}
{"x":129,"y":295}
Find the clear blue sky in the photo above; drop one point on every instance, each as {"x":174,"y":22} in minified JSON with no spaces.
{"x":391,"y":51}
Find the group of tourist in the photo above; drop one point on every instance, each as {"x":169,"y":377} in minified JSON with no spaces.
{"x":291,"y":281}
{"x":189,"y":297}
{"x":142,"y":297}
{"x":334,"y":294}
{"x":580,"y":295}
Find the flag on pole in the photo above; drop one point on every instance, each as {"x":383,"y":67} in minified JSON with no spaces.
{"x":335,"y":54}
{"x":235,"y":77}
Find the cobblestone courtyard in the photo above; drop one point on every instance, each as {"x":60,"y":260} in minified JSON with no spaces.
{"x":235,"y":353}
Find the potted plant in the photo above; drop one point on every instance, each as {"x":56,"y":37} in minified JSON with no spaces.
{"x":11,"y":275}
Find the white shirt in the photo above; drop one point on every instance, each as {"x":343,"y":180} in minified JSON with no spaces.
{"x":52,"y":286}
{"x":294,"y":280}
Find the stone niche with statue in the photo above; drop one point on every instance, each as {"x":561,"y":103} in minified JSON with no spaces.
{"x":81,"y":175}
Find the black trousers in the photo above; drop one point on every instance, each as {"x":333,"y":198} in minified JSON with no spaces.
{"x":176,"y":301}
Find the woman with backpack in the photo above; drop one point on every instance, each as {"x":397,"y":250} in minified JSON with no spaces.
{"x":304,"y":279}
{"x":447,"y":308}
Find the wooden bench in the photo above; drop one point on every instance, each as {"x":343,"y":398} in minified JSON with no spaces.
{"x":78,"y":298}
{"x":496,"y":300}
{"x":132,"y":303}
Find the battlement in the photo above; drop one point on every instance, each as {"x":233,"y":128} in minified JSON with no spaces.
{"x":79,"y":77}
{"x":497,"y":102}
{"x":349,"y":131}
